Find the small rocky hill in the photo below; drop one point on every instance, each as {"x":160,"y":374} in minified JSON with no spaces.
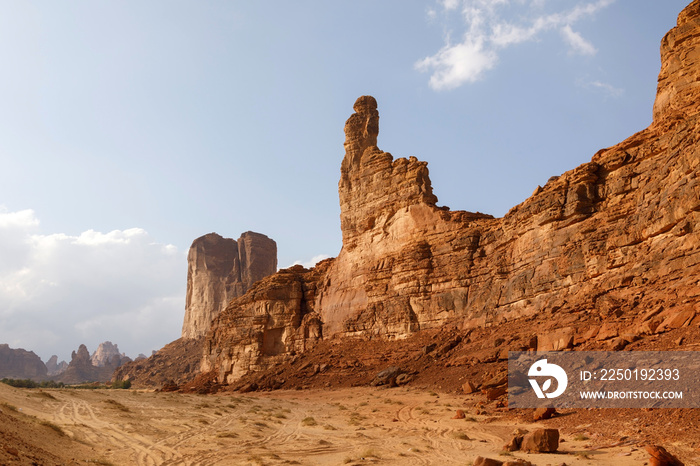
{"x":616,"y":236}
{"x":21,"y":364}
{"x":176,"y":363}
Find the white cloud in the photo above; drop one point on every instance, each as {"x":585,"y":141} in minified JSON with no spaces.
{"x":603,"y":87}
{"x":95,"y":238}
{"x":60,"y":290}
{"x":450,"y":4}
{"x":312,"y":262}
{"x":577,"y":43}
{"x":21,"y":219}
{"x":489,"y":26}
{"x":457,"y":64}
{"x":16,"y":247}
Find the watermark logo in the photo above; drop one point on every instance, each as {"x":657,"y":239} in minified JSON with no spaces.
{"x":553,"y":372}
{"x":604,"y":379}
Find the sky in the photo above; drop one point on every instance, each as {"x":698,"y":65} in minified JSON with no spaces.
{"x":130,"y":128}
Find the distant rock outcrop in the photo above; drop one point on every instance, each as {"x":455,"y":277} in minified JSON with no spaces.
{"x":81,"y":369}
{"x":20,"y":364}
{"x":54,"y":367}
{"x":105,"y":353}
{"x":220,"y":269}
{"x":615,"y":235}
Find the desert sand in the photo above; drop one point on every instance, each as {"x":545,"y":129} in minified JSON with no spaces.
{"x":346,"y":426}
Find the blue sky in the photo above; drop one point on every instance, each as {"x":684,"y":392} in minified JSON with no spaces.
{"x":128,"y":129}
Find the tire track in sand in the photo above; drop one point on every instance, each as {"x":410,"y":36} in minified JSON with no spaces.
{"x":79,"y":415}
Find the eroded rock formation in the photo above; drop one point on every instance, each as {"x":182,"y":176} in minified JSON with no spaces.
{"x":615,"y":235}
{"x":20,"y":364}
{"x":105,"y":352}
{"x":274,"y":319}
{"x":81,"y":368}
{"x":54,"y":367}
{"x":220,"y":269}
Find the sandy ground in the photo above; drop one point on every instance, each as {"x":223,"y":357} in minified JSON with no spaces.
{"x":347,"y":426}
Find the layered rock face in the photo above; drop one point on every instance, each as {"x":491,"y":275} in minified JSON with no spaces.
{"x":20,"y":364}
{"x":615,"y":235}
{"x":404,"y":260}
{"x":274,"y":319}
{"x":679,"y":79}
{"x":220,"y":269}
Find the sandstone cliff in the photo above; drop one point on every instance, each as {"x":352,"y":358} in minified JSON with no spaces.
{"x":220,"y":269}
{"x":274,"y":319}
{"x":615,"y":235}
{"x":20,"y":364}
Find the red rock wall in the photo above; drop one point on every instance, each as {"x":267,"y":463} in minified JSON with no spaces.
{"x":617,"y":234}
{"x":274,"y":320}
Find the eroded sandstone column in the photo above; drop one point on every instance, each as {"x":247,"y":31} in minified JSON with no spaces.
{"x":220,"y":269}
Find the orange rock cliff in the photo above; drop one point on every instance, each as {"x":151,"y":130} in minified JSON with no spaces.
{"x":617,"y":233}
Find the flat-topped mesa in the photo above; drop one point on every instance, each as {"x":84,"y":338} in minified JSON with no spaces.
{"x":373,"y":184}
{"x":220,"y":269}
{"x":679,"y":80}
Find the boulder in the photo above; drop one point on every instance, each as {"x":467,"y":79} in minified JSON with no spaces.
{"x":495,"y":393}
{"x":543,"y":413}
{"x":496,"y":381}
{"x":660,"y":457}
{"x":677,"y":319}
{"x":469,"y":387}
{"x":607,"y":331}
{"x":557,"y":340}
{"x":481,"y":461}
{"x":541,"y":441}
{"x":387,"y":376}
{"x":514,"y":443}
